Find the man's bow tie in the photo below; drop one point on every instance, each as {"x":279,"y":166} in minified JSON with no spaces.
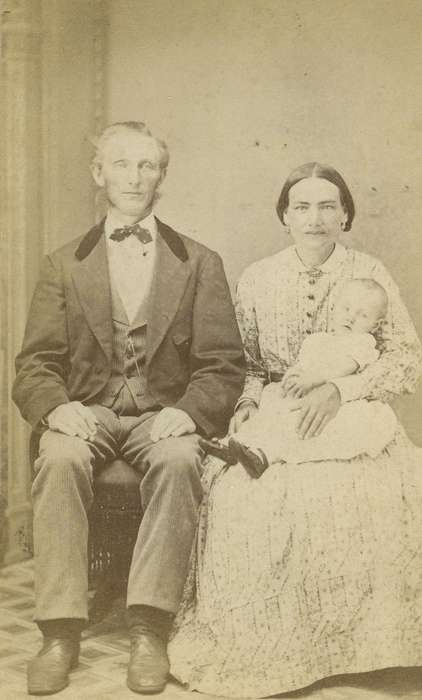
{"x":119,"y":234}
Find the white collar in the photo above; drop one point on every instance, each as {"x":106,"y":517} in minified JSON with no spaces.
{"x":112,"y":222}
{"x":334,"y":261}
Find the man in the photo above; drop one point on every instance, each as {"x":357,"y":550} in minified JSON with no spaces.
{"x":131,"y":349}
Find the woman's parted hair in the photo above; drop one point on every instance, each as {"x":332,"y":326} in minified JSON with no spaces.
{"x":141,"y":128}
{"x":325,"y":172}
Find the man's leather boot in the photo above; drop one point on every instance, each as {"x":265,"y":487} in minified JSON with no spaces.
{"x":148,"y":665}
{"x":48,"y":672}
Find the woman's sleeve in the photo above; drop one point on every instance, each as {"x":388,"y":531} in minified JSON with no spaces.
{"x":256,"y":375}
{"x":400,"y":362}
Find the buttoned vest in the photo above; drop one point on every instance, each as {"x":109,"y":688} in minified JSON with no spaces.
{"x":126,"y":390}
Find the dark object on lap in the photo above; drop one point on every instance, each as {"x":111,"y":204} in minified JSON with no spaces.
{"x":255,"y":462}
{"x":216,"y":448}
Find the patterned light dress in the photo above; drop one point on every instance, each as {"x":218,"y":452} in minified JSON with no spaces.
{"x":314,"y":569}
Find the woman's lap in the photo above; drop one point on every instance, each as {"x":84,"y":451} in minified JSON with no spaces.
{"x":310,"y":571}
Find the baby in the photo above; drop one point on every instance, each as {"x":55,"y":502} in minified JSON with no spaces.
{"x":359,"y":426}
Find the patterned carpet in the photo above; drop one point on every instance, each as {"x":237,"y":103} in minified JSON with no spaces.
{"x":102,"y":668}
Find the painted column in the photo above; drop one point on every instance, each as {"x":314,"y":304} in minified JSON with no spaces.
{"x":52,"y":60}
{"x":21,"y":146}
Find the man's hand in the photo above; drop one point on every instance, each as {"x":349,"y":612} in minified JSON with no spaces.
{"x":243,"y":413}
{"x":73,"y":419}
{"x":316,"y":409}
{"x":171,"y":422}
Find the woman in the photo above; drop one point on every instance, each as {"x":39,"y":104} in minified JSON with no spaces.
{"x":315,"y":569}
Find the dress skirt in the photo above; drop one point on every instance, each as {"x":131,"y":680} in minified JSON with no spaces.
{"x":313,"y":570}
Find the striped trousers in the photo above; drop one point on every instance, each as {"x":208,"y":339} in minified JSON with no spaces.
{"x":62,"y":494}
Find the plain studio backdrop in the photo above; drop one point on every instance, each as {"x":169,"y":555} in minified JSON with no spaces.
{"x":243,"y":91}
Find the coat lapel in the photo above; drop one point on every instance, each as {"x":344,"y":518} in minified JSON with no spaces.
{"x":91,"y":279}
{"x":170,"y":278}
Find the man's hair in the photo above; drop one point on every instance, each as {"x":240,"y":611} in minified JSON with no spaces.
{"x":141,"y":128}
{"x":325,"y":172}
{"x":372,"y":286}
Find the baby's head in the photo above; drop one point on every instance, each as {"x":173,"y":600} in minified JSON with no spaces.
{"x":361,"y":307}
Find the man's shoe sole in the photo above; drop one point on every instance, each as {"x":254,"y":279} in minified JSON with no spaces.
{"x":147,"y":690}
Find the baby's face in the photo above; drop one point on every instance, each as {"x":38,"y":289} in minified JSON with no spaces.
{"x":357,"y":310}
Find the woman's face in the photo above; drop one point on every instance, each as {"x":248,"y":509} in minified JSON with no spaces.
{"x":315,"y":214}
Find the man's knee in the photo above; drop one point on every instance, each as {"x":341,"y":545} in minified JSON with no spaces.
{"x":63,"y":453}
{"x":178,"y":458}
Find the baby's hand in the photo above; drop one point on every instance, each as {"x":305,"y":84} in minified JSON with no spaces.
{"x":297,"y":382}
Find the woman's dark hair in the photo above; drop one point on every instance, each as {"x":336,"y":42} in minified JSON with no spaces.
{"x":325,"y":172}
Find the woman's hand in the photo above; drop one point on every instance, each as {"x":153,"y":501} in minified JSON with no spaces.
{"x":316,"y":409}
{"x":243,"y":413}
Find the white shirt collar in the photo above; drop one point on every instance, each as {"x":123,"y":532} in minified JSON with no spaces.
{"x":336,"y":259}
{"x":112,"y":222}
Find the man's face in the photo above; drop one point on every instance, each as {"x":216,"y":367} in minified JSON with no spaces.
{"x":130,"y":173}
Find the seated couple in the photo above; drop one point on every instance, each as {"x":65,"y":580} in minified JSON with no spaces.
{"x":132,"y":349}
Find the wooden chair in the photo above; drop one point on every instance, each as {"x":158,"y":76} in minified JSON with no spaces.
{"x":113,"y":527}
